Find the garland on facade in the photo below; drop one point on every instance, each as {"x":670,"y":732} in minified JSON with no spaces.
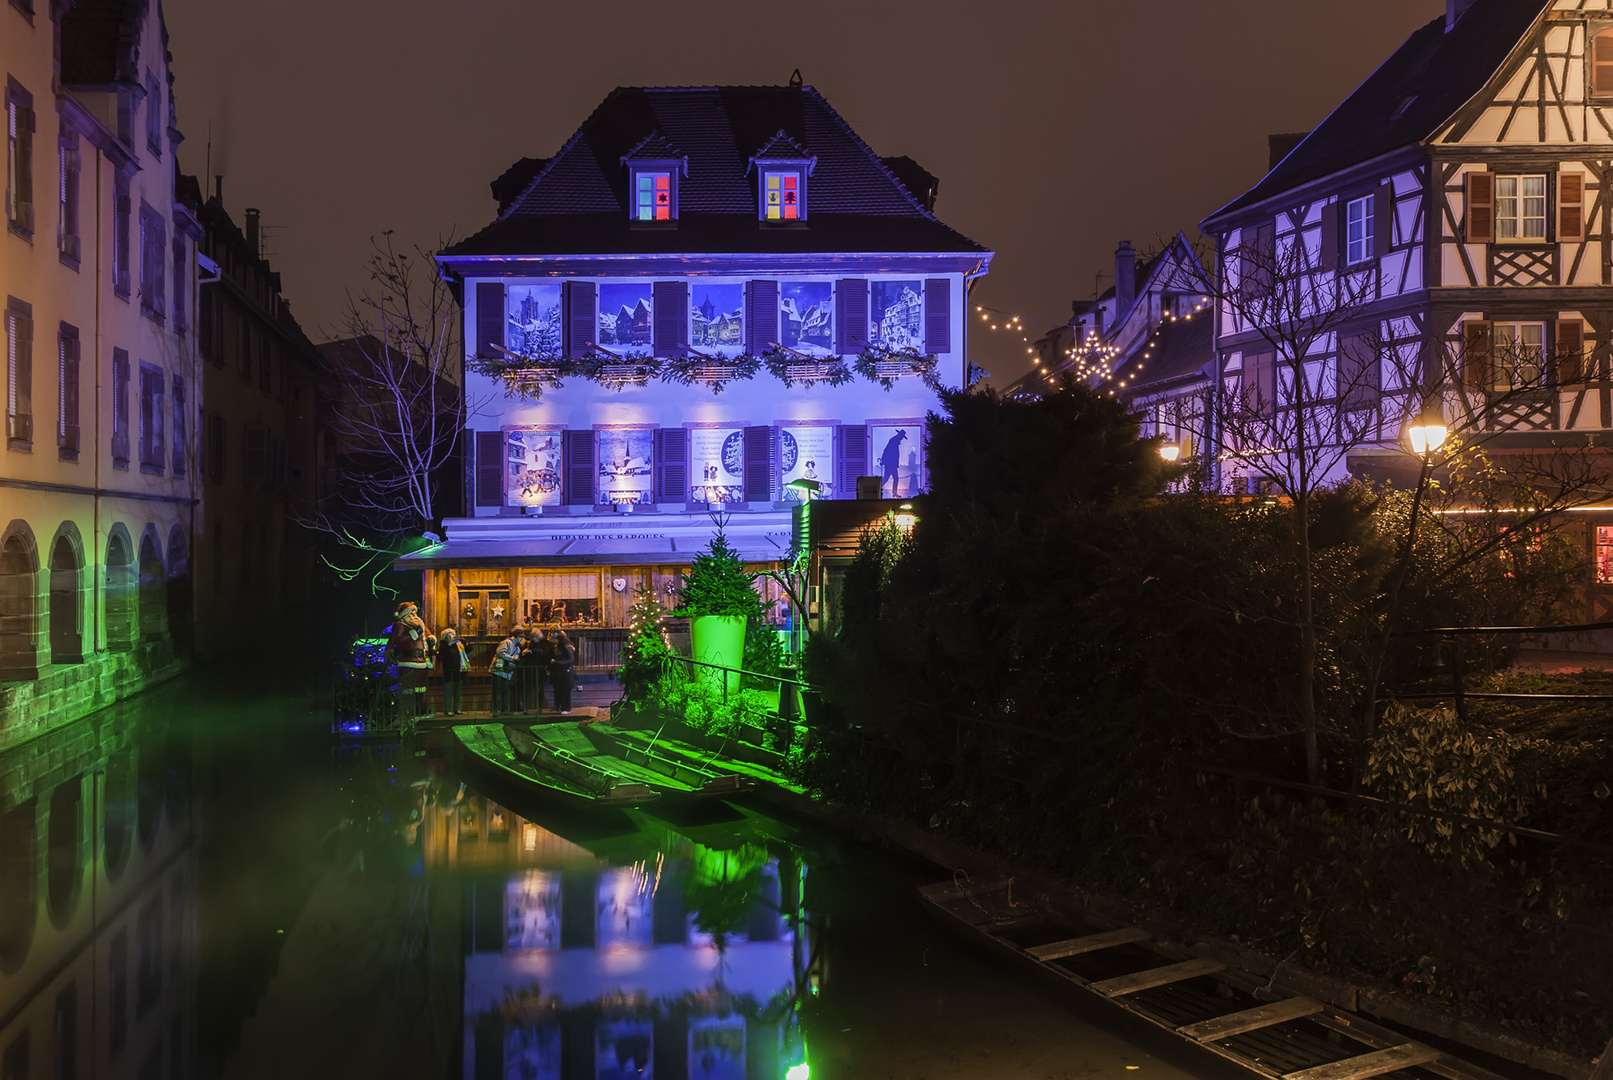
{"x":614,"y":371}
{"x":790,"y":367}
{"x":525,"y":376}
{"x":884,"y":366}
{"x":712,"y":371}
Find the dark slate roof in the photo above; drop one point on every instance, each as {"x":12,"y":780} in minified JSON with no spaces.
{"x":919,"y":181}
{"x":577,"y":202}
{"x":1438,"y":72}
{"x":780,"y":146}
{"x":653,"y":147}
{"x":514,"y":180}
{"x":100,"y":42}
{"x":1180,"y":349}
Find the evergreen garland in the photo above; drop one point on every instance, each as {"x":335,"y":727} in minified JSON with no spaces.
{"x":870,"y":361}
{"x":689,"y":369}
{"x":790,"y":367}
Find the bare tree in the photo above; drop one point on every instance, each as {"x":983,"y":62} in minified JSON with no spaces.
{"x":398,"y":407}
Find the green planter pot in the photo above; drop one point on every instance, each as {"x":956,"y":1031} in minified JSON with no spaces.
{"x":718,"y":639}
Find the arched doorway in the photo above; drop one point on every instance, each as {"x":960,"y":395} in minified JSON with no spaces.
{"x":19,"y":604}
{"x":17,"y":905}
{"x":66,"y":634}
{"x":153,"y":588}
{"x":64,"y":850}
{"x":118,"y":814}
{"x":179,"y":590}
{"x":122,"y":630}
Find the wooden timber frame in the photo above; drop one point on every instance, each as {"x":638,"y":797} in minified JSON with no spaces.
{"x":1235,"y":1015}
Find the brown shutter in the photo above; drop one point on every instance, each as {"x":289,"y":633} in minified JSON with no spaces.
{"x":1480,"y":207}
{"x":1383,"y":220}
{"x":1330,"y":234}
{"x":490,"y":468}
{"x":1570,"y":351}
{"x":1570,"y":206}
{"x":489,"y":318}
{"x":1602,"y":64}
{"x":1476,"y":363}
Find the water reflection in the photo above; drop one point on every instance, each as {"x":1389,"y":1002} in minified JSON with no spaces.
{"x":98,"y":878}
{"x":629,"y":947}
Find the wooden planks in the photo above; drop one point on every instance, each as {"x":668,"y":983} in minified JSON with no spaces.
{"x":1276,"y":1012}
{"x":1160,"y":976}
{"x":1374,"y":1064}
{"x":1075,"y":946}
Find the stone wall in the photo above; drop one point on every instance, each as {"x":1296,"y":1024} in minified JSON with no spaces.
{"x":64,"y":692}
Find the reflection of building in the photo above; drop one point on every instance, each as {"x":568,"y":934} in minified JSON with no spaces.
{"x":650,"y":953}
{"x":711,"y":281}
{"x":98,"y":897}
{"x":98,"y":474}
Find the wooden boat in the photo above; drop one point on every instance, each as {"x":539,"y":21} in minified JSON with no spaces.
{"x":571,"y":752}
{"x":675,"y":741}
{"x":711,"y":779}
{"x":503,"y":753}
{"x":1235,"y":1015}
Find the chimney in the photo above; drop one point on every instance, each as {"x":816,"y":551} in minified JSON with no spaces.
{"x":218,"y":187}
{"x":1454,"y":10}
{"x":1125,"y":279}
{"x":252,"y":231}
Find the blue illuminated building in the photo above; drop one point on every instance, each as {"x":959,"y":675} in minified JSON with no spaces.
{"x":733,"y":293}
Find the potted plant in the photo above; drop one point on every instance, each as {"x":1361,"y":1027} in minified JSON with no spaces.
{"x":719,"y":598}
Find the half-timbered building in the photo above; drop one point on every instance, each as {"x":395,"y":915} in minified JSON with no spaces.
{"x":710,"y":298}
{"x":1464,"y":186}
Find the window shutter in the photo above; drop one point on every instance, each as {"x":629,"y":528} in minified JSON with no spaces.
{"x":1476,"y":340}
{"x":1330,"y":239}
{"x":1602,"y":64}
{"x":23,"y":389}
{"x":25,"y":171}
{"x":1383,"y":220}
{"x":937,"y":319}
{"x":1480,"y":207}
{"x":489,"y":468}
{"x":580,"y":465}
{"x":851,"y":315}
{"x":70,"y":409}
{"x":1570,"y":351}
{"x":1570,"y":206}
{"x":671,"y":465}
{"x":761,"y":316}
{"x":851,"y":458}
{"x":582,"y":324}
{"x":489,"y":317}
{"x":759,"y":464}
{"x":671,"y":329}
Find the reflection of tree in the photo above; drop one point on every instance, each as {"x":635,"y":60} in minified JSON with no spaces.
{"x":723,"y":888}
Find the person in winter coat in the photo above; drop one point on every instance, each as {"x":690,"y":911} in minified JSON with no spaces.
{"x":454,"y":665}
{"x":560,"y":675}
{"x":529,"y":674}
{"x":410,"y":646}
{"x":509,"y":651}
{"x":542,"y":649}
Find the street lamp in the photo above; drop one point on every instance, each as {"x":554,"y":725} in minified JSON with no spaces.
{"x":807,"y":488}
{"x":1170,"y":451}
{"x":1426,"y":434}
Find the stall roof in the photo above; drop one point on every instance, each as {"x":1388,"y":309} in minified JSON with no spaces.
{"x":579,"y":551}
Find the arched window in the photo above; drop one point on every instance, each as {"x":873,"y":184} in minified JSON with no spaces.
{"x":153,"y":588}
{"x":66,"y":639}
{"x":1601,"y":65}
{"x":122,"y":631}
{"x":19,"y":604}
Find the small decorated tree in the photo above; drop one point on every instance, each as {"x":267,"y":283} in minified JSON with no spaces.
{"x":719,"y":599}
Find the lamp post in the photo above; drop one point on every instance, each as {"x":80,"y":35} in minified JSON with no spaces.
{"x":1170,"y":452}
{"x":1426,"y":434}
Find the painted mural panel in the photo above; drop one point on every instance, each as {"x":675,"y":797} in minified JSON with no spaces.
{"x":534,"y":317}
{"x":899,"y":456}
{"x":626,"y":315}
{"x":806,"y":315}
{"x":717,"y":317}
{"x":896,"y":314}
{"x":806,"y":453}
{"x":626,"y":466}
{"x":533,"y":467}
{"x":717,"y":465}
{"x":532,"y":911}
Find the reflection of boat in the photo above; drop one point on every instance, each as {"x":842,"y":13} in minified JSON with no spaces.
{"x":576,"y":753}
{"x":505,"y":754}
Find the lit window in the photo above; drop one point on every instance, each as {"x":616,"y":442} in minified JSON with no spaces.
{"x":1358,"y":229}
{"x":1520,"y":207}
{"x":652,"y":196}
{"x":1519,"y":355}
{"x":1604,"y":554}
{"x":781,"y":195}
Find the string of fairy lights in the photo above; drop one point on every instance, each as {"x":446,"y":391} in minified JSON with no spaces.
{"x":1092,"y":359}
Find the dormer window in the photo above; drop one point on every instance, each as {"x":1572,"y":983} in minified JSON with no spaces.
{"x":783,"y":195}
{"x":653,"y":192}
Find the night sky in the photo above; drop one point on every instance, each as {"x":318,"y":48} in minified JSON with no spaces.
{"x":1056,"y":128}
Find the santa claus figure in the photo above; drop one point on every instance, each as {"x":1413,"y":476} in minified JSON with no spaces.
{"x":412,"y":647}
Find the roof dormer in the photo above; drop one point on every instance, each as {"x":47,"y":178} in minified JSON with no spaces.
{"x":653,"y":169}
{"x":782,"y":167}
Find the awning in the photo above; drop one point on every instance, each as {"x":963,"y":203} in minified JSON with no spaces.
{"x":579,"y":551}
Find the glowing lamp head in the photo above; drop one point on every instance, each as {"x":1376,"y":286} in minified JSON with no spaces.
{"x":798,"y":1072}
{"x":1427,"y":435}
{"x":1170,"y":452}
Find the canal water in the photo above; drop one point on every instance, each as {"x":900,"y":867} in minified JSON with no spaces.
{"x":199,"y":883}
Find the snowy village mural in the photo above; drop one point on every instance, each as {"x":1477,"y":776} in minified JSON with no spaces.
{"x":717,"y":317}
{"x":626,"y":315}
{"x":626,"y":466}
{"x":899,"y":457}
{"x":896,"y":314}
{"x":717,"y":465}
{"x":534,"y":467}
{"x":806,"y":316}
{"x":534,"y":318}
{"x":806,"y":453}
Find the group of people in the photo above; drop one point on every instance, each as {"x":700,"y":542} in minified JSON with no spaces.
{"x":527,"y":659}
